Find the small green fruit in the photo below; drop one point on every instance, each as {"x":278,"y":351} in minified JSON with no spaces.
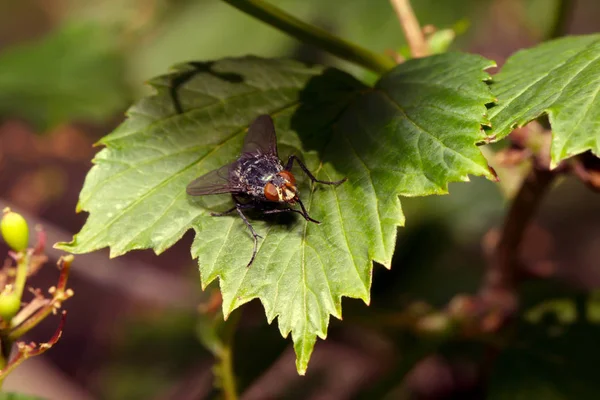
{"x":14,"y":230}
{"x":9,"y":306}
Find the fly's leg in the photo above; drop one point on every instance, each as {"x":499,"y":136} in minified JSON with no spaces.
{"x":232,"y":209}
{"x":290,"y":162}
{"x":255,"y":235}
{"x":305,"y":213}
{"x":281,"y":210}
{"x":238,"y":204}
{"x":220,"y":214}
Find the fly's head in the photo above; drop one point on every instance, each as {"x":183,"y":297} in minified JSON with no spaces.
{"x":282,"y":188}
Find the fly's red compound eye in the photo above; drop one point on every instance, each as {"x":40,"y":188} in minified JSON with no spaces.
{"x":288,"y":176}
{"x":271,"y":192}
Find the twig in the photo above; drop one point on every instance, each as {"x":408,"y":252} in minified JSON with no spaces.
{"x":307,"y":33}
{"x":26,"y":351}
{"x":59,"y":294}
{"x":412,"y":30}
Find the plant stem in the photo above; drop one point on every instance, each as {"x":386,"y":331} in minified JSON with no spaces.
{"x":21,"y":278}
{"x":228,"y":378}
{"x":311,"y":34}
{"x":502,"y":275}
{"x":563,"y":15}
{"x":412,"y":30}
{"x":226,"y":358}
{"x":5,"y":351}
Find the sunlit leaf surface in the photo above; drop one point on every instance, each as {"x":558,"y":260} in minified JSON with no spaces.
{"x":560,"y":78}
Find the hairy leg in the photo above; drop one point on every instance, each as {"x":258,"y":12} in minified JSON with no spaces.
{"x":282,"y":210}
{"x":255,"y":235}
{"x":290,"y":162}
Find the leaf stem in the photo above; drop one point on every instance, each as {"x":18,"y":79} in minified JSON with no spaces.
{"x":228,"y":378}
{"x":412,"y":30}
{"x":226,"y":358}
{"x":311,"y":34}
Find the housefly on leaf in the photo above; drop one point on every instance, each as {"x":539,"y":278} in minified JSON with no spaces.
{"x":257,"y":179}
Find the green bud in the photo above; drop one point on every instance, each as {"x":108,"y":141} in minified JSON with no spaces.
{"x":9,"y":306}
{"x":14,"y":230}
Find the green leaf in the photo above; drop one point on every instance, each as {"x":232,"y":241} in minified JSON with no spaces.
{"x":75,"y":73}
{"x":440,"y":41}
{"x":410,"y":135}
{"x":560,"y":78}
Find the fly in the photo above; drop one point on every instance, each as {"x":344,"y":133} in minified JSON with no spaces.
{"x":257,"y":179}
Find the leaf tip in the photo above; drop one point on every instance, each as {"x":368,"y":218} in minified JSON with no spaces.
{"x":116,"y":252}
{"x":302,"y":364}
{"x":490,"y":64}
{"x":64,"y":246}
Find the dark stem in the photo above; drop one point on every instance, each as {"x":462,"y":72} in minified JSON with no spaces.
{"x":502,"y":275}
{"x":6,"y":347}
{"x":563,"y":17}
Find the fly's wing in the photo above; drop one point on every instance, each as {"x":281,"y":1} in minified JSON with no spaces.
{"x":261,"y":137}
{"x":213,"y":182}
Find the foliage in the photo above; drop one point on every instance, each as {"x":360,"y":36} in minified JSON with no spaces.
{"x":75,"y":73}
{"x":397,"y":127}
{"x":560,"y":78}
{"x":302,"y":270}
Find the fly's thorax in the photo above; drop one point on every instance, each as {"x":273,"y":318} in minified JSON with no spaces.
{"x":256,"y":170}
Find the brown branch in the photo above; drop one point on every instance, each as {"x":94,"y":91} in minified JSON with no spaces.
{"x":499,"y":285}
{"x":412,"y":30}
